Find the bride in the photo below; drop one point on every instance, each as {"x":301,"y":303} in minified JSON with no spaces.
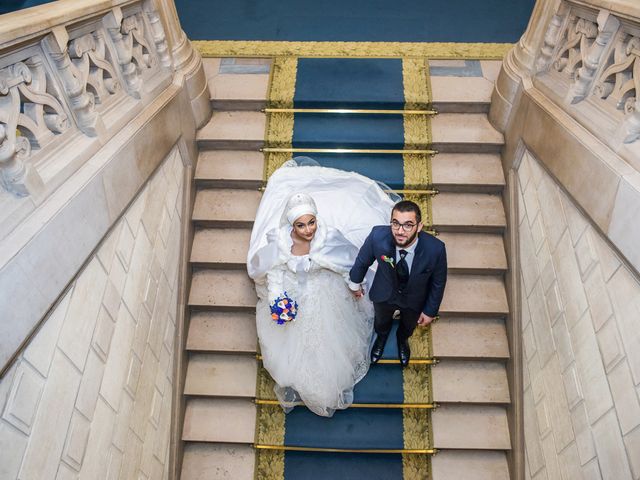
{"x":314,"y":335}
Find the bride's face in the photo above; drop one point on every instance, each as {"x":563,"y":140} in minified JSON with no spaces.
{"x":305,"y":227}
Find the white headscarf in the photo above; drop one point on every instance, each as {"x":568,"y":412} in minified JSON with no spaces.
{"x":298,"y":204}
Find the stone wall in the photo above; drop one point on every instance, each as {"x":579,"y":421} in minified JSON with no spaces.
{"x":581,"y":334}
{"x":90,"y":397}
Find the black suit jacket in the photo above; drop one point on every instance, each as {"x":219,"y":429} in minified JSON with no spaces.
{"x":427,"y":279}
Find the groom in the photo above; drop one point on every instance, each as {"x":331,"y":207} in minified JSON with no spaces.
{"x":411,"y":275}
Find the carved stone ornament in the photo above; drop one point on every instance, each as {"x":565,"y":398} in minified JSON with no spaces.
{"x":88,"y":55}
{"x":619,"y":84}
{"x":579,"y":36}
{"x":123,"y":45}
{"x":592,"y":57}
{"x":157,"y":32}
{"x":29,"y":117}
{"x":551,"y":38}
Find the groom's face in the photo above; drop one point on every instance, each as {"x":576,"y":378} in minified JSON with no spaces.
{"x":400,"y":223}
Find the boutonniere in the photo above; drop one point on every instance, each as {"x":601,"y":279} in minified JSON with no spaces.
{"x":388,"y":260}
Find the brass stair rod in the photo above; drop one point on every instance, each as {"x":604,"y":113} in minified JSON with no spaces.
{"x":391,"y":361}
{"x":426,"y":451}
{"x":351,"y":111}
{"x":346,"y":150}
{"x":391,"y":190}
{"x":390,"y":406}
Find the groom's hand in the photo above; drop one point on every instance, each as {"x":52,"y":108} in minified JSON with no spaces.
{"x":424,"y":320}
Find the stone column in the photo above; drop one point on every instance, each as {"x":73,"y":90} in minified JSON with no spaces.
{"x":186,"y":61}
{"x":518,"y":65}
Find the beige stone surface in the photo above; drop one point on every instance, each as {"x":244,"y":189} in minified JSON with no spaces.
{"x":470,"y":338}
{"x":87,"y":387}
{"x":470,"y":465}
{"x":221,"y":166}
{"x":478,"y":428}
{"x":461,"y":90}
{"x":581,"y":353}
{"x":226,"y":207}
{"x":219,"y":420}
{"x":468,"y":252}
{"x":467,"y":171}
{"x":235,"y":127}
{"x":474,"y":294}
{"x":221,"y":375}
{"x":468,"y":129}
{"x":217,"y":462}
{"x":222,"y":332}
{"x":468,"y":212}
{"x":229,"y":289}
{"x":221,"y":246}
{"x":461,"y":381}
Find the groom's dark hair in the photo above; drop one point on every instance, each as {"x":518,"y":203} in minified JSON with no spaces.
{"x":408,"y":206}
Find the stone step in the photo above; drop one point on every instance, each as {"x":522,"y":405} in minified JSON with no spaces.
{"x":467,"y":338}
{"x":221,"y":247}
{"x":473,"y":296}
{"x":452,"y":172}
{"x":240,"y":86}
{"x":470,"y":427}
{"x":221,"y":375}
{"x":465,"y":295}
{"x":462,"y":381}
{"x":461,"y":94}
{"x":229,"y":169}
{"x":465,"y":133}
{"x":217,"y":461}
{"x":468,"y":212}
{"x":225,"y":332}
{"x":226,"y":290}
{"x":469,"y":465}
{"x":474,"y":252}
{"x":225,"y":207}
{"x":233,"y":131}
{"x":467,"y":172}
{"x":223,"y":420}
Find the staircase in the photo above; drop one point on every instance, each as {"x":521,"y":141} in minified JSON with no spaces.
{"x":470,"y":382}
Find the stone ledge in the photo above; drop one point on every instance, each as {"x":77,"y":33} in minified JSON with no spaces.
{"x":605,"y":187}
{"x":66,"y":228}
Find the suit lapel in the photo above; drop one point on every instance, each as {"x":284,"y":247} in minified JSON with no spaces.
{"x":418,"y":256}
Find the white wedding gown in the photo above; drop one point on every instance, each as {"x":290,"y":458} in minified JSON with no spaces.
{"x":319,"y":357}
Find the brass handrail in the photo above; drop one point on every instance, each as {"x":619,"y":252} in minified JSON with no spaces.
{"x":351,"y":111}
{"x":347,"y":150}
{"x":425,"y":451}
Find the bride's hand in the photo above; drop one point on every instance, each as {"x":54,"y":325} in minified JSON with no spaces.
{"x":357,"y":294}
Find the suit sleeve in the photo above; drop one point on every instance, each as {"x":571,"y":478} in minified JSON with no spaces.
{"x":436,"y":285}
{"x":363,"y":261}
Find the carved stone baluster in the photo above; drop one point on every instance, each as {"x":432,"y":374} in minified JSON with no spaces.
{"x":14,"y":149}
{"x":82,"y":103}
{"x":630,"y":129}
{"x":157,"y":32}
{"x":88,"y":56}
{"x":551,"y":39}
{"x":592,"y":57}
{"x":124,"y":52}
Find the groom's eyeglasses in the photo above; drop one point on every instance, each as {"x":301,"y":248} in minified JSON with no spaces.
{"x":407,"y":227}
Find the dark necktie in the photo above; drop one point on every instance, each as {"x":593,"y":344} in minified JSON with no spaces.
{"x":402,"y":269}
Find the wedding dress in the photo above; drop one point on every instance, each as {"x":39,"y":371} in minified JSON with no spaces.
{"x":324,"y":352}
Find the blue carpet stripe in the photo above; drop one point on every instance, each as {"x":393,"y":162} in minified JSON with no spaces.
{"x":349,"y":83}
{"x":334,"y":466}
{"x":387,"y":169}
{"x":352,"y":428}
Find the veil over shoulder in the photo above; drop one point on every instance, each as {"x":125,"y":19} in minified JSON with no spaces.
{"x":347,"y":201}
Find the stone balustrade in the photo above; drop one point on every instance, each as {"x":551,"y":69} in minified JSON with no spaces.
{"x":73,"y":86}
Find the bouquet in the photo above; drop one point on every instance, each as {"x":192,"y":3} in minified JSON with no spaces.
{"x":283,"y":309}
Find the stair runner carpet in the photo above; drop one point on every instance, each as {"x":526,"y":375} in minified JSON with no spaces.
{"x":387,"y":433}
